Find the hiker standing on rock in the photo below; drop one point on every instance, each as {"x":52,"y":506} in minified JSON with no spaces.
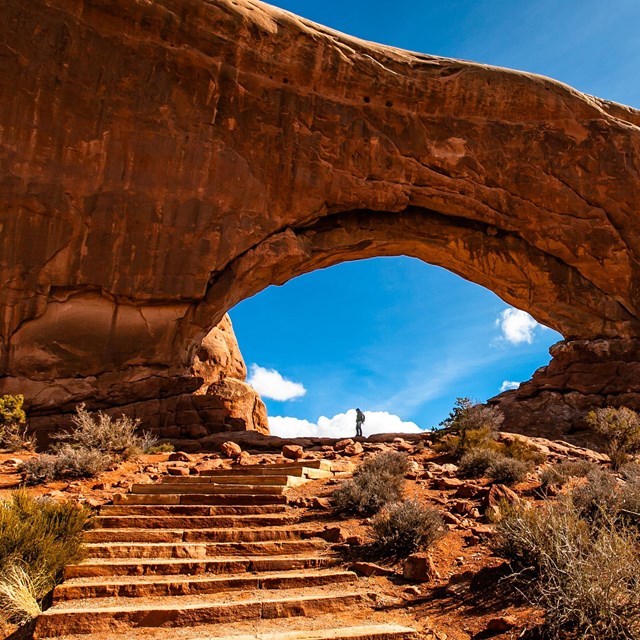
{"x":359,"y":422}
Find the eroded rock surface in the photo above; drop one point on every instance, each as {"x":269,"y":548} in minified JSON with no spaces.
{"x":160,"y":162}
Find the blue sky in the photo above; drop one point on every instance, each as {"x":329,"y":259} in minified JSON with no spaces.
{"x":395,"y":336}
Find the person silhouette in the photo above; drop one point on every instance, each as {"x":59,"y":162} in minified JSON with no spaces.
{"x":359,"y":422}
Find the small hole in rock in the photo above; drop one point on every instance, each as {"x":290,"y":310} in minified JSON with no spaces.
{"x":367,"y":99}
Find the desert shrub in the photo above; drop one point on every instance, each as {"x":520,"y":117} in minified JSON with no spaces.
{"x":113,"y":436}
{"x":93,"y":445}
{"x":13,"y":432}
{"x":149,"y":444}
{"x":598,"y":497}
{"x":21,"y":593}
{"x":67,"y":462}
{"x":474,"y":463}
{"x":457,"y":445}
{"x":559,"y":474}
{"x":508,"y":470}
{"x":376,"y":482}
{"x":38,"y":537}
{"x":621,"y":429}
{"x":521,"y":450}
{"x":404,"y":527}
{"x":630,"y":471}
{"x":586,"y":579}
{"x":388,"y":463}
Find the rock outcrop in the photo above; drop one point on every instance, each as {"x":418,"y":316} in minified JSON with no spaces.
{"x":161,"y":161}
{"x":582,"y":375}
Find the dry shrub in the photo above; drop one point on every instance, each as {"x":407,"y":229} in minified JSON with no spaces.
{"x":375,"y":483}
{"x":404,"y":527}
{"x":111,"y":436}
{"x":621,"y":429}
{"x":474,"y":463}
{"x":38,"y":537}
{"x":67,"y":462}
{"x":586,"y":577}
{"x":21,"y":593}
{"x":94,"y":444}
{"x":559,"y":474}
{"x":598,"y":497}
{"x":508,"y":470}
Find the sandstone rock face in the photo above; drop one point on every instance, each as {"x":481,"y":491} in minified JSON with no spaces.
{"x":582,"y":375}
{"x":161,"y":161}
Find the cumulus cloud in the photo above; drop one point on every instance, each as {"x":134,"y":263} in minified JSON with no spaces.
{"x":269,"y":383}
{"x":342,"y":425}
{"x":516,"y":326}
{"x":509,"y":384}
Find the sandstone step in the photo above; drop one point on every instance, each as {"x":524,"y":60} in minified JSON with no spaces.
{"x":360,"y":625}
{"x":201,"y":550}
{"x":180,"y":585}
{"x":198,"y":499}
{"x":308,"y":468}
{"x":363,"y":632}
{"x":206,"y":488}
{"x":236,"y":534}
{"x":189,"y":566}
{"x":192,"y":510}
{"x":238,"y":479}
{"x":94,"y":616}
{"x":169,"y":521}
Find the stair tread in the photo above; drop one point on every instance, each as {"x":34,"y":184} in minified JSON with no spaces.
{"x":324,"y":627}
{"x":142,"y":561}
{"x":98,"y":605}
{"x":150,"y":579}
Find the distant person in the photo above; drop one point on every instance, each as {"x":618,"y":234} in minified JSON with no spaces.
{"x":359,"y":422}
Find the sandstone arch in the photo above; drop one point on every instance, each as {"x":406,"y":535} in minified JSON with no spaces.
{"x":161,"y":161}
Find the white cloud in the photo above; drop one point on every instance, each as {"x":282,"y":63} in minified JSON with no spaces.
{"x":509,"y":384}
{"x":342,"y":425}
{"x":517,"y":326}
{"x":270,"y":384}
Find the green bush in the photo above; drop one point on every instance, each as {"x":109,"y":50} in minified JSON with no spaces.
{"x":508,"y":470}
{"x":521,"y":450}
{"x":469,"y":426}
{"x":13,"y":432}
{"x":467,"y":414}
{"x":376,"y":482}
{"x":404,"y":527}
{"x":621,"y":429}
{"x":38,"y":537}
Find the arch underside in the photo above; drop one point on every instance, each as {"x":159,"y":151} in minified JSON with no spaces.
{"x":553,"y":292}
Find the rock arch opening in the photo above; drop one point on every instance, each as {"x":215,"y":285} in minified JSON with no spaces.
{"x":397,"y":337}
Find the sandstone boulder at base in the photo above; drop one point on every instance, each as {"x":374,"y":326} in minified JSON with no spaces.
{"x":241,"y":403}
{"x":419,"y":567}
{"x":292,"y":451}
{"x":231,"y":449}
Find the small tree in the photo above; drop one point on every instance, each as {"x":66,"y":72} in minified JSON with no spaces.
{"x":621,"y":428}
{"x":467,"y":414}
{"x":13,"y":434}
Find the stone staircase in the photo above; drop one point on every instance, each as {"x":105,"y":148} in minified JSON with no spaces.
{"x":214,"y":556}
